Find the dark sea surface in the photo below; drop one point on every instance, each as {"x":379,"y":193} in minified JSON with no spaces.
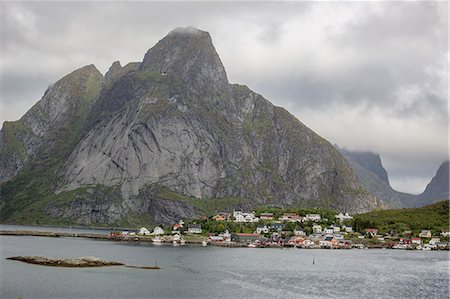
{"x":215,"y":272}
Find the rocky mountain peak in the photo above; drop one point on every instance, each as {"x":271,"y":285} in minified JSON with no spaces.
{"x":188,"y":54}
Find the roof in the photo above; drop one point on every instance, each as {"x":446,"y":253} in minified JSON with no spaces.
{"x":194,"y":226}
{"x":328,"y":238}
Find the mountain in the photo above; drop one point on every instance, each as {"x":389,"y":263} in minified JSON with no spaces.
{"x":437,"y":189}
{"x":164,"y":139}
{"x":370,"y":172}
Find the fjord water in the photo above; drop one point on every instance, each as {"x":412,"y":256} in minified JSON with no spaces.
{"x":195,"y":272}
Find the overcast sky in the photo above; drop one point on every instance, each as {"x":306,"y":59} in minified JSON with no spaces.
{"x":364,"y":75}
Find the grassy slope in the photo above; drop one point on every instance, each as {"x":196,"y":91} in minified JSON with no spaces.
{"x":434,"y":217}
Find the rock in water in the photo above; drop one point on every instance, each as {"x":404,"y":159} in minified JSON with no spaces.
{"x":165,"y":139}
{"x":62,"y":262}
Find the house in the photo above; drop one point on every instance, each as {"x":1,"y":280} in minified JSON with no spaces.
{"x":266,"y":216}
{"x":328,"y":241}
{"x":276,"y":226}
{"x":445,"y":233}
{"x":312,"y":217}
{"x":216,"y":239}
{"x":433,"y":241}
{"x":307,"y":243}
{"x":371,"y":231}
{"x":347,"y":228}
{"x":417,"y":241}
{"x":176,"y":228}
{"x":194,"y":228}
{"x":245,"y":238}
{"x":329,"y":230}
{"x":425,"y":234}
{"x":299,"y":232}
{"x":222,"y":216}
{"x":317,"y":228}
{"x":226,"y":236}
{"x":407,"y":233}
{"x":145,"y":232}
{"x":250,"y":217}
{"x":262,"y":229}
{"x":343,"y":217}
{"x":158,"y":231}
{"x":339,"y":237}
{"x":291,"y":217}
{"x":296,"y":240}
{"x":405,"y":241}
{"x":336,"y":228}
{"x":240,"y":216}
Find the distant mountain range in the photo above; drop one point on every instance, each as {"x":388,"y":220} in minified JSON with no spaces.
{"x":164,"y":139}
{"x":371,"y":173}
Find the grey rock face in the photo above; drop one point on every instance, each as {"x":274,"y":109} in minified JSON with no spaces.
{"x":437,"y":189}
{"x":371,"y":173}
{"x":60,"y":107}
{"x":175,"y":121}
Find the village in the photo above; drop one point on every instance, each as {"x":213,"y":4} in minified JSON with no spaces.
{"x":284,"y":229}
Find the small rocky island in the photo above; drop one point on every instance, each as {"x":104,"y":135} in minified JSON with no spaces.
{"x":81,"y":262}
{"x":87,"y":261}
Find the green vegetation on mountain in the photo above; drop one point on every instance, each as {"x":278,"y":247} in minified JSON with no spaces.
{"x":434,"y":217}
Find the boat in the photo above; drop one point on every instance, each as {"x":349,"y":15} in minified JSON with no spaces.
{"x":175,"y":243}
{"x":251,"y":245}
{"x":157,"y":240}
{"x":204,"y":243}
{"x":426,"y":248}
{"x":183,"y":242}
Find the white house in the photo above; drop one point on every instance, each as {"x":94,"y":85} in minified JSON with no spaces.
{"x":262,"y":229}
{"x":317,"y":228}
{"x":250,"y":217}
{"x":194,"y":228}
{"x":158,"y":231}
{"x":434,"y":241}
{"x":339,"y":237}
{"x":336,"y":228}
{"x":299,"y":232}
{"x":445,"y":233}
{"x":417,"y":241}
{"x":343,"y":217}
{"x":240,"y":216}
{"x":226,"y":236}
{"x":143,"y":231}
{"x":425,"y":234}
{"x":347,"y":228}
{"x":312,"y":217}
{"x":329,"y":230}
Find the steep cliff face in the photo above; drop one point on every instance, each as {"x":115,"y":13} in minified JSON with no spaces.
{"x":370,"y":172}
{"x":172,"y":138}
{"x":437,"y":189}
{"x":62,"y":109}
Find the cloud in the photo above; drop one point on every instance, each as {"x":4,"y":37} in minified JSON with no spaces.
{"x":365,"y":75}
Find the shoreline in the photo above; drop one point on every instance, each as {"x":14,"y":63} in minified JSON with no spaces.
{"x":137,"y":238}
